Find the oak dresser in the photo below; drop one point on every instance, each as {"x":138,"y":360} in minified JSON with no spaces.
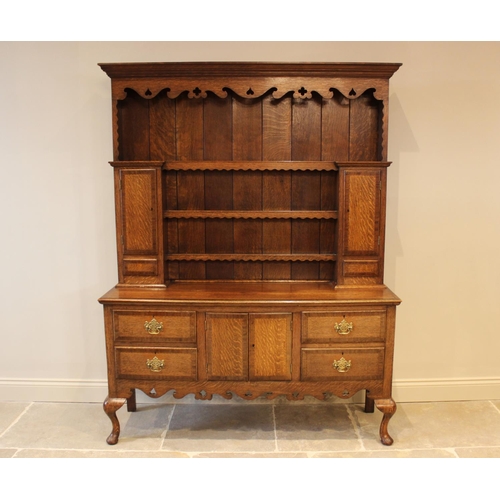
{"x":250,"y":222}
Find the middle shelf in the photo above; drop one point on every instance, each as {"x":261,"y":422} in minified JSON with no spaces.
{"x":250,"y":214}
{"x":247,"y":257}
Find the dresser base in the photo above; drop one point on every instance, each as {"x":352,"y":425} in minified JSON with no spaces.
{"x":251,"y":341}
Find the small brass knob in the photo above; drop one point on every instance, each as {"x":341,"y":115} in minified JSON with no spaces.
{"x":342,"y":365}
{"x":155,"y":364}
{"x":153,"y":327}
{"x":343,"y":328}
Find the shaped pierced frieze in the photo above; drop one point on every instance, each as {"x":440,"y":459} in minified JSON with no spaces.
{"x":278,"y":88}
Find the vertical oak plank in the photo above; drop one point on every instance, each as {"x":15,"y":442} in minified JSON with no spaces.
{"x":328,"y":228}
{"x":217,"y":144}
{"x":247,"y":185}
{"x":364,"y":128}
{"x":133,"y":127}
{"x":335,"y":128}
{"x":191,"y":186}
{"x":306,"y":186}
{"x":162,"y":128}
{"x":171,"y":232}
{"x":276,"y":186}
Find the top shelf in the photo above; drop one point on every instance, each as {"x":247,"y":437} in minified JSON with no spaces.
{"x":294,"y":166}
{"x":251,"y":165}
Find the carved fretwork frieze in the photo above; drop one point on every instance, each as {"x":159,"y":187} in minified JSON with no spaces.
{"x":291,"y":391}
{"x":300,"y":88}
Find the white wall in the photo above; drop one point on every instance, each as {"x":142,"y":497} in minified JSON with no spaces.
{"x":57,"y":254}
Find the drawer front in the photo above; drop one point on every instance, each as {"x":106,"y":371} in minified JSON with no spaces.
{"x":154,"y":326}
{"x":343,"y":326}
{"x":342,"y":364}
{"x":163,"y":363}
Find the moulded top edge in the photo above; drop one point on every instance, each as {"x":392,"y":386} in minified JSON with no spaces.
{"x":263,"y":69}
{"x":362,"y":163}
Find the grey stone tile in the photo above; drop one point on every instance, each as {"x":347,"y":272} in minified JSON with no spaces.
{"x":496,"y":404}
{"x":250,"y":455}
{"x":221,"y":428}
{"x":86,"y":426}
{"x":112,"y":453}
{"x":9,"y":412}
{"x":315,"y":428}
{"x":433,"y":425}
{"x":7,"y":453}
{"x":390,"y":453}
{"x":480,"y":452}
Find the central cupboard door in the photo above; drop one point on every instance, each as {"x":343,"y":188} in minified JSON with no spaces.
{"x":254,"y":346}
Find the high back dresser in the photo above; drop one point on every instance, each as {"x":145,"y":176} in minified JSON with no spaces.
{"x":250,"y":227}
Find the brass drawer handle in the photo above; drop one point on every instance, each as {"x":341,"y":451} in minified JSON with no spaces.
{"x":343,"y":328}
{"x":155,"y":364}
{"x":342,"y":365}
{"x":153,"y":327}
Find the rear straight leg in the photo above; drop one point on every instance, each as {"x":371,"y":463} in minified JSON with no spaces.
{"x":131,"y":402}
{"x":369,"y":403}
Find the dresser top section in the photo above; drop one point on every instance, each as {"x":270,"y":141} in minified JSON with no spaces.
{"x":255,"y":69}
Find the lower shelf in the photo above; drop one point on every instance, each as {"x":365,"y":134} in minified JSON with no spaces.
{"x":246,"y":257}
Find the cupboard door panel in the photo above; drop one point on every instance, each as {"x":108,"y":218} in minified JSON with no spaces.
{"x":227,"y":346}
{"x":270,"y":353}
{"x":362,"y":213}
{"x":139,"y":204}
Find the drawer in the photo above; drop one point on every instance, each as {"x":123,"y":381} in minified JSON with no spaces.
{"x":162,"y":363}
{"x":342,"y":364}
{"x":343,"y":326}
{"x":154,"y":326}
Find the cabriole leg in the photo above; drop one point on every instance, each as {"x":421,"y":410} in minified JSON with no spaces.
{"x":388,"y":408}
{"x":111,"y":406}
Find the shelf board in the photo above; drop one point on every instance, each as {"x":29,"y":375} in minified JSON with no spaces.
{"x":247,"y":257}
{"x":250,"y":214}
{"x":252,"y":165}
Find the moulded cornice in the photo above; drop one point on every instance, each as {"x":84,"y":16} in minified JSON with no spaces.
{"x":248,"y":69}
{"x":250,"y":80}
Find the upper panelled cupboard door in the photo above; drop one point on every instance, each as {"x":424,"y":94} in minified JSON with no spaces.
{"x":139,"y":224}
{"x":363,"y":225}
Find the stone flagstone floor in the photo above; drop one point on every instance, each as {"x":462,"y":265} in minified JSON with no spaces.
{"x":276,"y":429}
